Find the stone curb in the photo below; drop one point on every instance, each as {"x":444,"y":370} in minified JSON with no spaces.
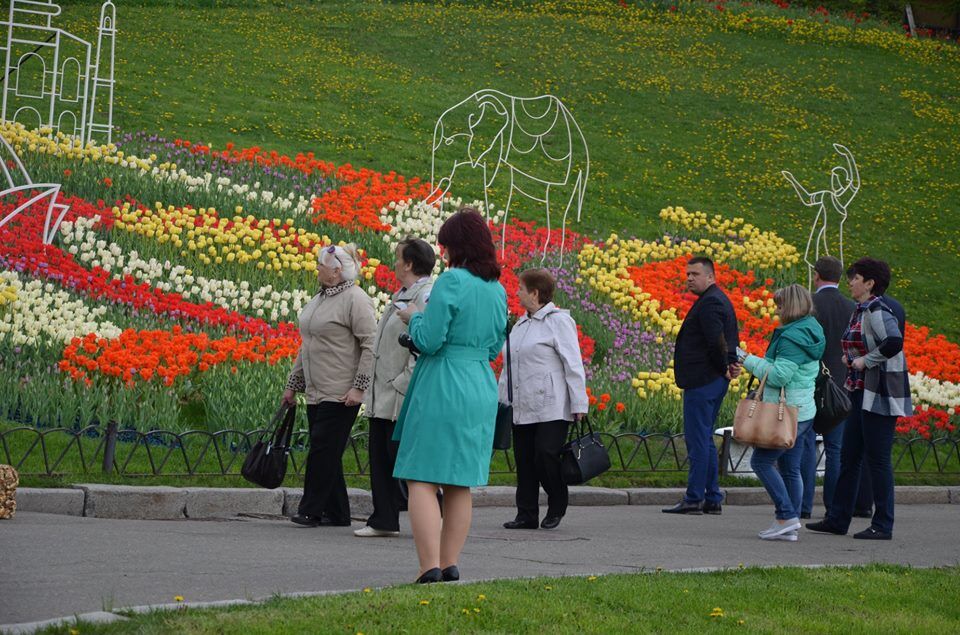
{"x":96,"y":617}
{"x":173,"y":503}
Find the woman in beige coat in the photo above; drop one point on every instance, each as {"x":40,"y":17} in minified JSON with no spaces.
{"x":392,"y":368}
{"x":333,"y":370}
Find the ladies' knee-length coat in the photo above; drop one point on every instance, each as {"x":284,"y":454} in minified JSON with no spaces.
{"x":446,"y":424}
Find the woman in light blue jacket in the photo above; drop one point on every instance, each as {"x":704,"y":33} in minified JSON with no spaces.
{"x":792,"y":362}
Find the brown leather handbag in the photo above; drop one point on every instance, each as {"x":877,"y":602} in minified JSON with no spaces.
{"x":763,"y":424}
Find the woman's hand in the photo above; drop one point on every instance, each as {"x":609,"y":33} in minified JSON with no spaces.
{"x":289,"y":397}
{"x":406,"y":312}
{"x":353,"y":397}
{"x":577,"y":416}
{"x":859,"y":363}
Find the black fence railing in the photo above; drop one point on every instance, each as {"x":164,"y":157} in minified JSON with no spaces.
{"x":106,"y":449}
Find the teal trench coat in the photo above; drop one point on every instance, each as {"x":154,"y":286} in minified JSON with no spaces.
{"x":446,"y":423}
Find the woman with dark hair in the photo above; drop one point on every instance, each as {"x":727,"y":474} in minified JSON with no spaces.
{"x":392,"y":368}
{"x":879,"y":393}
{"x":549,"y":392}
{"x":446,"y":424}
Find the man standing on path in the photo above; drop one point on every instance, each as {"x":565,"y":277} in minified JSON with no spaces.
{"x":833,"y":311}
{"x":704,"y":361}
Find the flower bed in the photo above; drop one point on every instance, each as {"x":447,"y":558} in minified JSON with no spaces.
{"x":180,"y":314}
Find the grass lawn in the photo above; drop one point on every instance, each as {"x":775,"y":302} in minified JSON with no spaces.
{"x":696,"y":108}
{"x":876,"y":599}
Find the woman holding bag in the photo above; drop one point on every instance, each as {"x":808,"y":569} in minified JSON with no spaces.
{"x":791,"y":363}
{"x":549,"y":391}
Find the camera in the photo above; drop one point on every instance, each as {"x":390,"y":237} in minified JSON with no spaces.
{"x":406,"y":341}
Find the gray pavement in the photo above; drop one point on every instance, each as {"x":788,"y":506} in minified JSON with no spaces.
{"x":53,"y":566}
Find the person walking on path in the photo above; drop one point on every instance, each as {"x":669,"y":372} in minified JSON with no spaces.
{"x":549,"y":392}
{"x":879,"y":386}
{"x":705,"y":360}
{"x":333,"y":370}
{"x":446,"y":424}
{"x":833,"y":311}
{"x":791,"y":363}
{"x":392,"y":367}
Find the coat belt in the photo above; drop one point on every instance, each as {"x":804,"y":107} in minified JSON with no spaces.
{"x":455,"y":351}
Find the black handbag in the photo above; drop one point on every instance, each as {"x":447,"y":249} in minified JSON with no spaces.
{"x":584,"y":455}
{"x":503,"y":432}
{"x":833,"y":402}
{"x":266,"y":463}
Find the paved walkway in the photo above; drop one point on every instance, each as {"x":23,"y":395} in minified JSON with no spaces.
{"x":54,"y":566}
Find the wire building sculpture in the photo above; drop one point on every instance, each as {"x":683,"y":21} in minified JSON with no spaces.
{"x":55,"y":80}
{"x":533,"y":144}
{"x":16,"y":179}
{"x":844,"y":185}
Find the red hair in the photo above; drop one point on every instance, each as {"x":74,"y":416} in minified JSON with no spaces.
{"x":469,"y":244}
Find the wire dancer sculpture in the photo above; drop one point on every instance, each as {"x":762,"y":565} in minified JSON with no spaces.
{"x":491,"y":130}
{"x":844,"y":185}
{"x":20,"y":181}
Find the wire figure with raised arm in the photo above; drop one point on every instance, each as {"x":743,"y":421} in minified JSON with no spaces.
{"x":844,"y":185}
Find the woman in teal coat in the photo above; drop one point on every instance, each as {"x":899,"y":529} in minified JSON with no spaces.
{"x":446,"y":424}
{"x":792,"y":362}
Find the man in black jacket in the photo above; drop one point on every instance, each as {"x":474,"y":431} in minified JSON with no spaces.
{"x":833,"y":311}
{"x":704,"y":361}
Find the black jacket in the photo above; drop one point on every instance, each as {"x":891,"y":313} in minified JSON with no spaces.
{"x":707,"y":341}
{"x":833,"y":312}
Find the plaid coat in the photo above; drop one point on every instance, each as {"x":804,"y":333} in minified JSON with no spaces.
{"x":886,"y":383}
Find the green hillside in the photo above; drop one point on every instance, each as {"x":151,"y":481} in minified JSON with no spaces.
{"x":692,"y":107}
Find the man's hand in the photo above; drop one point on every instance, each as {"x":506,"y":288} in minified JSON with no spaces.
{"x":354,"y":397}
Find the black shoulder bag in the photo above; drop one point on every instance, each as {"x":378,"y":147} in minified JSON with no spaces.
{"x":266,"y":463}
{"x":503,"y":432}
{"x":833,"y":402}
{"x":584,"y":456}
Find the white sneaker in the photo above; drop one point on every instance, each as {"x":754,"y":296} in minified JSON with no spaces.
{"x":790,"y":536}
{"x":371,"y":532}
{"x":777,"y":528}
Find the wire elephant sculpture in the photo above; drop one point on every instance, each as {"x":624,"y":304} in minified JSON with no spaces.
{"x":495,"y":133}
{"x":16,"y":180}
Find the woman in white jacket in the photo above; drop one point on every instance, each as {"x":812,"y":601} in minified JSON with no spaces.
{"x":549,"y":392}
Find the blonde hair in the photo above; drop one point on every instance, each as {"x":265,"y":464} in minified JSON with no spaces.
{"x":343,"y":258}
{"x":793,"y":302}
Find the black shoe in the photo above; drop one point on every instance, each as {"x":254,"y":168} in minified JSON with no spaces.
{"x":326,"y":521}
{"x":871,"y":533}
{"x":551,"y":522}
{"x":824,"y":526}
{"x":431,"y":576}
{"x":451,"y":573}
{"x":804,"y":515}
{"x":863,"y":513}
{"x":520,"y":524}
{"x":306,"y":520}
{"x":683,"y":507}
{"x":712,"y":508}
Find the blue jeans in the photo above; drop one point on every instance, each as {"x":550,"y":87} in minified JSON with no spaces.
{"x":808,"y":468}
{"x":832,"y":442}
{"x":784,"y":486}
{"x":700,"y":409}
{"x":866,"y":436}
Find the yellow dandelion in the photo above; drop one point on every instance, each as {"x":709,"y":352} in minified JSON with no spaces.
{"x":178,"y":598}
{"x":424,"y":602}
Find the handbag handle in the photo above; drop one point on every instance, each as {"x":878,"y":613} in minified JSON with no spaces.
{"x":280,"y":428}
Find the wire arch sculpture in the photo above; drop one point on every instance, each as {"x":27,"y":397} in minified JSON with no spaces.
{"x":490,"y":130}
{"x":844,"y":186}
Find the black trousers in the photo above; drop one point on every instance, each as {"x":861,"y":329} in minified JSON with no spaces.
{"x":388,"y":499}
{"x":324,"y":488}
{"x":536,"y":451}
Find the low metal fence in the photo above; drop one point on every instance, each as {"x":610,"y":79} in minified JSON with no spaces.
{"x":107,"y":449}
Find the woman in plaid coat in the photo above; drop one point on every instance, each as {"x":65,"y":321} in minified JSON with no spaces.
{"x":879,"y":393}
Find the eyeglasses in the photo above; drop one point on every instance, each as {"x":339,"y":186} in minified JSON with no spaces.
{"x":332,"y":250}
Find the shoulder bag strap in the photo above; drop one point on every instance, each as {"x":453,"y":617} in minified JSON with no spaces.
{"x":509,"y":365}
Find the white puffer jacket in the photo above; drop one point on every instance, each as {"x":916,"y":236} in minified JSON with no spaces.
{"x":547,"y":368}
